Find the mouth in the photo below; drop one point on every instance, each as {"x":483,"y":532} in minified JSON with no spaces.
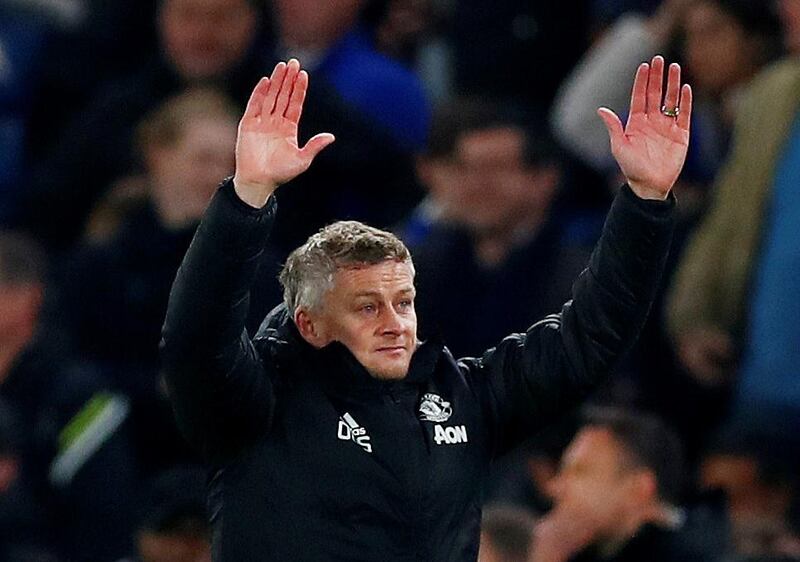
{"x":391,"y":349}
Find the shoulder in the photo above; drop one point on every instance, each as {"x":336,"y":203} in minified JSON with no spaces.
{"x":356,"y":59}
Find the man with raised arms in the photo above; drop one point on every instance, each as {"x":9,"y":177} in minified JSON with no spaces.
{"x":335,"y":433}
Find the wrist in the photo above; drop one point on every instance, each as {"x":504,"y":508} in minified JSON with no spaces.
{"x":646,"y":192}
{"x":255,"y":195}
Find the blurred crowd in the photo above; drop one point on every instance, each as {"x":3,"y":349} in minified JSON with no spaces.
{"x":467,"y":127}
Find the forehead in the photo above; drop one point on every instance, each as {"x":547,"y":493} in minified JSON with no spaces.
{"x":210,"y":131}
{"x":386,"y":277}
{"x":595,"y":446}
{"x":496,"y":142}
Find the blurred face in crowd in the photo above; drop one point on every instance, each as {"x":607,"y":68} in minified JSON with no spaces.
{"x":494,"y":189}
{"x":19,"y":308}
{"x":596,"y":480}
{"x":205,"y":39}
{"x":790,"y":18}
{"x":185,"y":174}
{"x":315,"y":24}
{"x":370,"y":310}
{"x":719,"y":52}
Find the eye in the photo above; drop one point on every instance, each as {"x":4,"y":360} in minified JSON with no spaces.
{"x":367,"y":308}
{"x":406,"y":304}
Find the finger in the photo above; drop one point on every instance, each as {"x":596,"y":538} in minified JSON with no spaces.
{"x":673,"y":86}
{"x":256,"y":100}
{"x":639,"y":92}
{"x":295,"y":108}
{"x":315,"y":145}
{"x":288,"y":85}
{"x":275,"y":84}
{"x":685,"y":115}
{"x":613,"y":125}
{"x":655,"y":85}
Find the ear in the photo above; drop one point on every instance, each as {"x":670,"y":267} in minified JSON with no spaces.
{"x":312,"y":328}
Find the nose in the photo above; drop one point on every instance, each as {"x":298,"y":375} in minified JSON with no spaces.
{"x":392,"y":322}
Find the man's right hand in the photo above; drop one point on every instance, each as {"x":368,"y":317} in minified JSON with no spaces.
{"x":267,"y":153}
{"x":562,"y":534}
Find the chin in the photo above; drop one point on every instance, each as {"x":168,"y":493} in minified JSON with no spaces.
{"x":389,"y":373}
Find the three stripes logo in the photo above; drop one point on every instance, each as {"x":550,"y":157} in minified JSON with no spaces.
{"x":349,"y":430}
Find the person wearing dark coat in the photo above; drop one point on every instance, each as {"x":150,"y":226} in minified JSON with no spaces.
{"x":335,"y":433}
{"x":618,"y":497}
{"x":75,"y":457}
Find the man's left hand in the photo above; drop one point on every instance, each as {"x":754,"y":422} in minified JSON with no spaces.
{"x":651,"y":149}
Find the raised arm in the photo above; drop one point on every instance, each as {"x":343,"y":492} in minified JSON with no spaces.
{"x":221,"y":388}
{"x":532,"y":377}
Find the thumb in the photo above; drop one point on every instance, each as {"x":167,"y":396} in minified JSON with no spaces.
{"x":315,"y":145}
{"x":613,"y":125}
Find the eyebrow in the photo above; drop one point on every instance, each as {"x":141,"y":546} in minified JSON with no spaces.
{"x":409,"y":290}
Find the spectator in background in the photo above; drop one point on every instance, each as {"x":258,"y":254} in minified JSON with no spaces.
{"x":22,"y":526}
{"x":74,"y":451}
{"x":733,"y":307}
{"x":114,"y":293}
{"x":616,"y":495}
{"x":506,"y":534}
{"x":328,"y":36}
{"x":498,"y":244}
{"x":200,"y":42}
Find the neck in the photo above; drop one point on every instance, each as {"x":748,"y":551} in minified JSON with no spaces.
{"x":493,"y":246}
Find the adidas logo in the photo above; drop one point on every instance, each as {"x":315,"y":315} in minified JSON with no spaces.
{"x":349,"y":430}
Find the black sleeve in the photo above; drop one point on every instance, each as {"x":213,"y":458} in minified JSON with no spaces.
{"x":221,"y":389}
{"x":530,"y":378}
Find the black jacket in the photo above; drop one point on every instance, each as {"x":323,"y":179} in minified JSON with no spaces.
{"x":315,"y":460}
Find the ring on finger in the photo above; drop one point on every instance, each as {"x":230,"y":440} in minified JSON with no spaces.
{"x":673,"y":112}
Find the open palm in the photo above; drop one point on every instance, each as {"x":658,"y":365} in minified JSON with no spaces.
{"x":651,"y":149}
{"x":267,"y":150}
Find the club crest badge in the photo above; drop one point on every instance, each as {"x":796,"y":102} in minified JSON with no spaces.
{"x":434,"y":409}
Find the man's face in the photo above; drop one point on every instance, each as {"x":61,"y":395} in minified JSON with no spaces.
{"x":205,"y":39}
{"x":717,"y":50}
{"x":187,"y":173}
{"x":370,"y":310}
{"x":594,"y":480}
{"x":495,"y":187}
